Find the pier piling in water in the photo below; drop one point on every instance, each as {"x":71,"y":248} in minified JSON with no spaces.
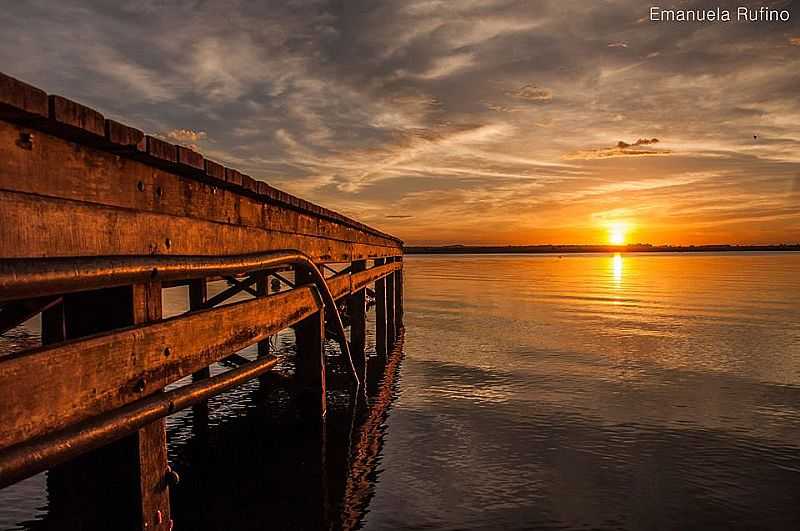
{"x":96,"y":218}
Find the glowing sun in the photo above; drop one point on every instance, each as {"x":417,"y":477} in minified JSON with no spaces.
{"x":617,"y":233}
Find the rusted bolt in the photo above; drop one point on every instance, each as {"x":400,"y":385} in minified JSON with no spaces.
{"x":168,"y":243}
{"x":159,"y":517}
{"x":140,"y":385}
{"x":173,"y":478}
{"x":167,"y":351}
{"x":25,"y":140}
{"x":140,"y":186}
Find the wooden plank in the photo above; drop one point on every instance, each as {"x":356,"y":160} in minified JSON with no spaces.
{"x":69,"y":114}
{"x":51,"y":387}
{"x":19,"y":100}
{"x":233,"y":177}
{"x":191,"y":158}
{"x":215,"y":170}
{"x":33,"y":226}
{"x":58,"y":168}
{"x":161,"y":150}
{"x":127,"y":138}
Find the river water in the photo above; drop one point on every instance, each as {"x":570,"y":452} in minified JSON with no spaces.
{"x":637,"y":391}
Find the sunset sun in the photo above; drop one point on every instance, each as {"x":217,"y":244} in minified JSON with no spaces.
{"x":617,"y":234}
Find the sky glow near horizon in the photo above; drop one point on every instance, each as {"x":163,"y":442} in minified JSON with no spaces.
{"x":475,"y":122}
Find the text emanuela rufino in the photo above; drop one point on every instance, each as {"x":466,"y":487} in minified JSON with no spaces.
{"x":740,"y":14}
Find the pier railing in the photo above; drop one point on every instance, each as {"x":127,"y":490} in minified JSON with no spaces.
{"x":96,"y":219}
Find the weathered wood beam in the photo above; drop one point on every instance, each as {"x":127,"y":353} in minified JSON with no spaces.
{"x":52,"y":387}
{"x":33,"y":226}
{"x":49,"y":166}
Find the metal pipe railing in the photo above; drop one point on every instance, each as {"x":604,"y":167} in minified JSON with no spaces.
{"x":22,"y":277}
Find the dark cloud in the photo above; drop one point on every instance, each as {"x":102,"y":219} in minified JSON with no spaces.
{"x":622,"y":149}
{"x":640,"y":142}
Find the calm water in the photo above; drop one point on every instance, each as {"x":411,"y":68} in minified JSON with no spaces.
{"x":533,"y":392}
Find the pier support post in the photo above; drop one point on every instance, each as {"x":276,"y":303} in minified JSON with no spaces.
{"x":357,"y":311}
{"x":380,"y":313}
{"x":262,"y":289}
{"x":198,"y":294}
{"x":310,"y":361}
{"x":122,"y":485}
{"x":398,"y":296}
{"x":391,"y":325}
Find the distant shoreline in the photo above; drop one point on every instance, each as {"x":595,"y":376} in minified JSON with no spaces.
{"x":574,"y":249}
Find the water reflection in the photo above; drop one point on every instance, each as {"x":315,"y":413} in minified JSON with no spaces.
{"x":590,"y":392}
{"x":542,"y":396}
{"x":616,"y":265}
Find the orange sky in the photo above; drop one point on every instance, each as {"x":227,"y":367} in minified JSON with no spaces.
{"x":442,"y":122}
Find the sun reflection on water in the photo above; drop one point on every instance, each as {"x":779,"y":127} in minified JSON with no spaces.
{"x":616,"y":266}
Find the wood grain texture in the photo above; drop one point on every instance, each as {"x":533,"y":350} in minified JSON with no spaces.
{"x":215,"y":170}
{"x":33,"y":226}
{"x":191,"y":158}
{"x":127,"y":138}
{"x":51,"y":387}
{"x":19,"y":100}
{"x":161,"y":150}
{"x":68,"y":113}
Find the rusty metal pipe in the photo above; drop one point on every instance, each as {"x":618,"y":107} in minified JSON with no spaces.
{"x":26,"y":459}
{"x":25,"y":277}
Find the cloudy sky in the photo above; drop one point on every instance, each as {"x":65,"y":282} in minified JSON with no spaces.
{"x":486,"y":121}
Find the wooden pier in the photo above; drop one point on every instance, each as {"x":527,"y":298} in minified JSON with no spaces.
{"x":96,"y":220}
